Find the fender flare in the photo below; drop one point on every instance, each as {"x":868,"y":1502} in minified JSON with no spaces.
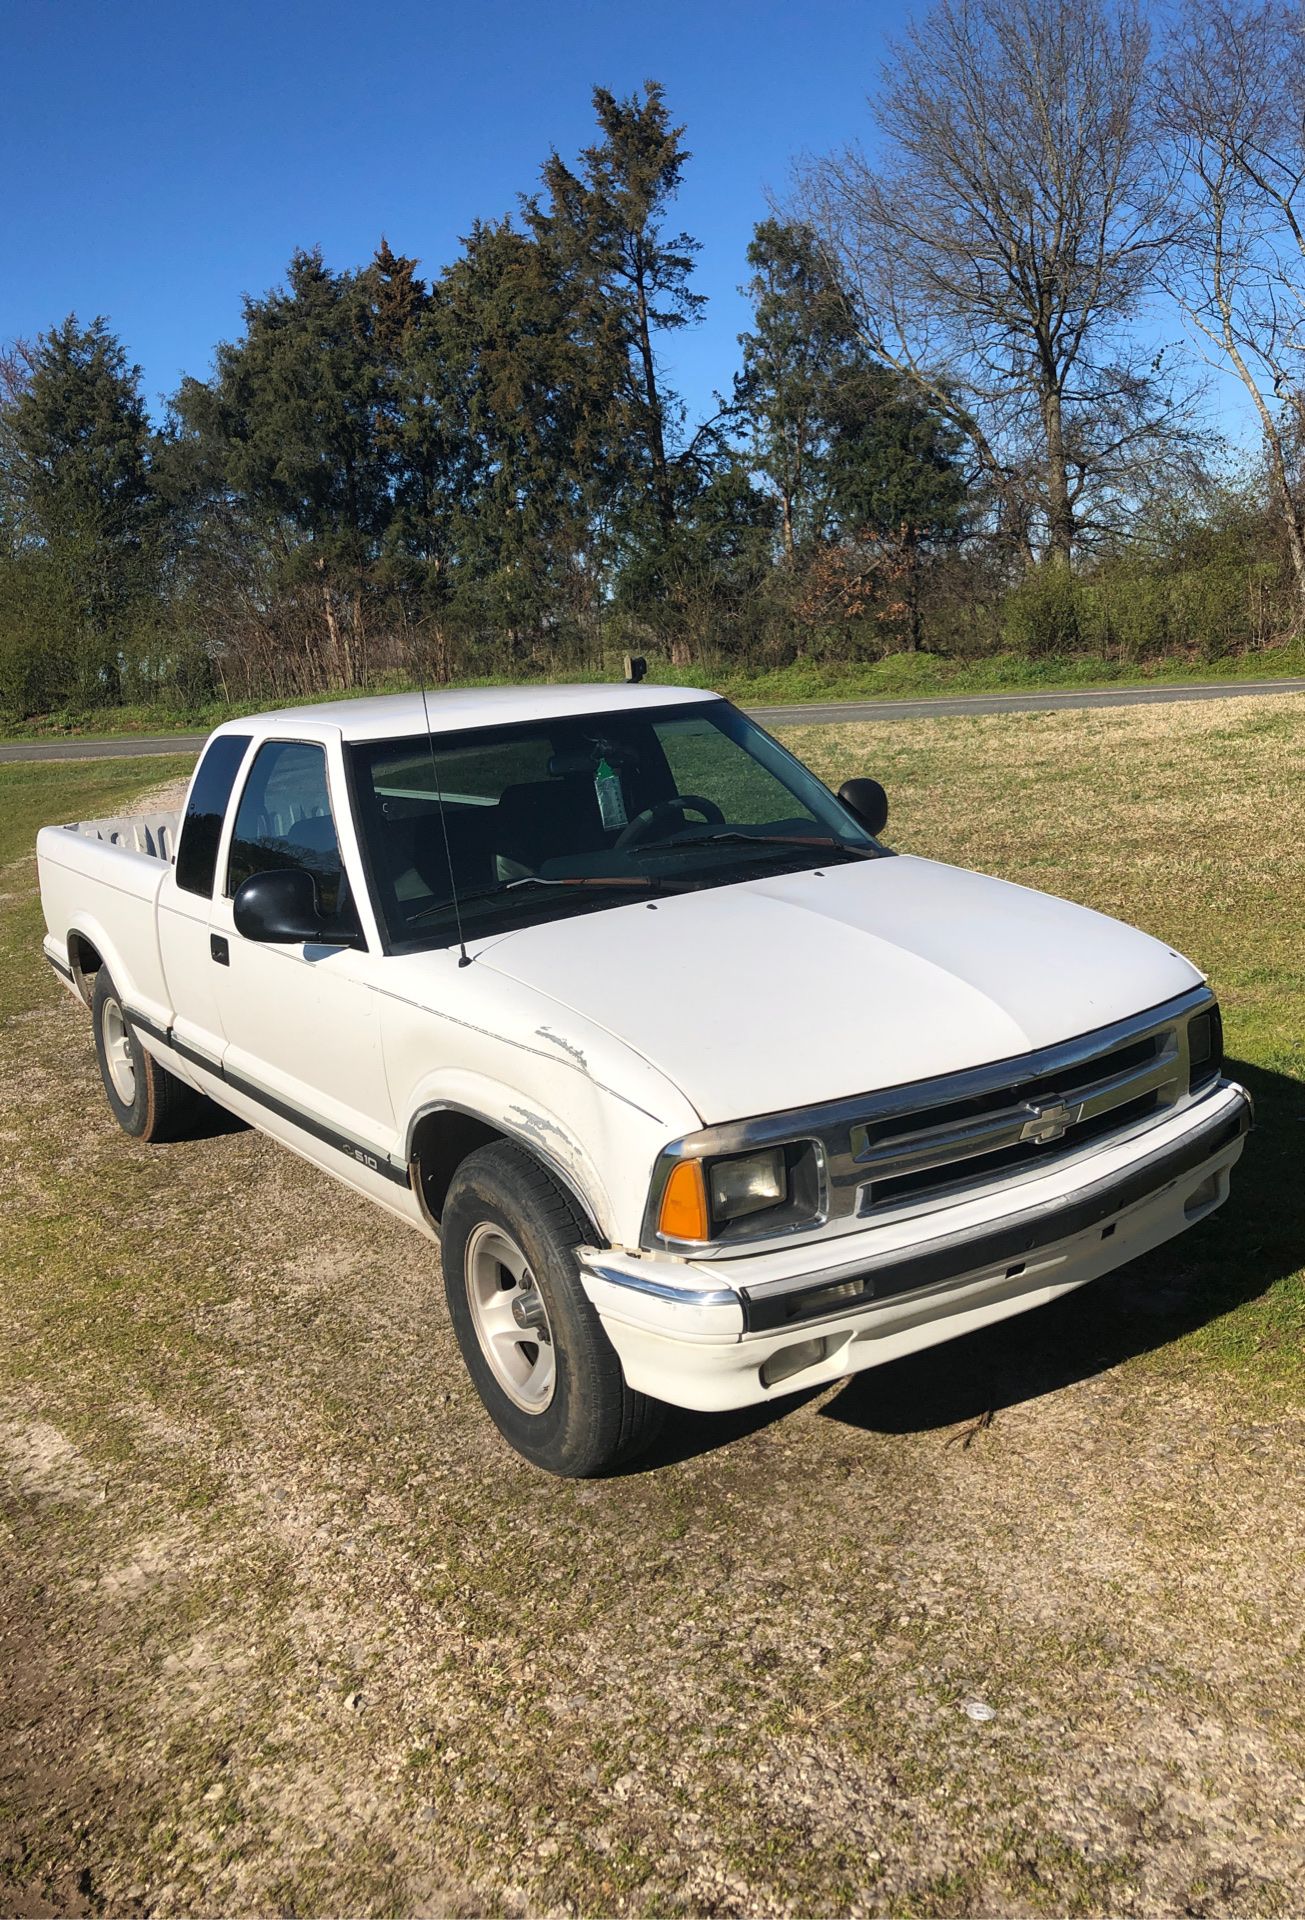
{"x":535,"y":1129}
{"x":86,"y":927}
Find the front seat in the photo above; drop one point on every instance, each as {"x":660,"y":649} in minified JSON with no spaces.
{"x":541,"y":820}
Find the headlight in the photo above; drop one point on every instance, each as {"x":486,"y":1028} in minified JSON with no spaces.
{"x":738,"y":1196}
{"x":748,"y":1185}
{"x":1204,"y":1047}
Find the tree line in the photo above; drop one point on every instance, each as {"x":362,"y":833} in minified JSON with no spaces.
{"x":964,"y":414}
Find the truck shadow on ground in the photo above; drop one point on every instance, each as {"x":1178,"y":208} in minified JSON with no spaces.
{"x":1256,"y":1239}
{"x":213,"y":1122}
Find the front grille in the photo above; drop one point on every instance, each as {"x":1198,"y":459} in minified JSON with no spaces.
{"x":1029,"y":1123}
{"x":1026,"y":1153}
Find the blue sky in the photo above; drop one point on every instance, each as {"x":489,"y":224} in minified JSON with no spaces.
{"x":161,"y":160}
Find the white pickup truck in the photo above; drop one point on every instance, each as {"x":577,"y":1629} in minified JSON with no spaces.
{"x":707,"y":1094}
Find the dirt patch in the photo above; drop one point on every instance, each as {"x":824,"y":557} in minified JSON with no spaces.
{"x":41,"y":1464}
{"x":168,"y":797}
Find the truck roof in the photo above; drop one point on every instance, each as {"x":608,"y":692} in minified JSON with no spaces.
{"x":456,"y":710}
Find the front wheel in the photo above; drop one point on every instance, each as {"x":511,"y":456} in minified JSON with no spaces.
{"x":533,"y":1344}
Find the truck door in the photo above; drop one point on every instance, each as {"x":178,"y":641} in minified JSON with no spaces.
{"x":185,"y":903}
{"x":301,"y":1022}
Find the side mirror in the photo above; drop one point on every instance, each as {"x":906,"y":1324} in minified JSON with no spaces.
{"x":283,"y":908}
{"x":868,"y":801}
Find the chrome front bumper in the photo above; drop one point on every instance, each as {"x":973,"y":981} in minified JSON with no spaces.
{"x":730,"y":1333}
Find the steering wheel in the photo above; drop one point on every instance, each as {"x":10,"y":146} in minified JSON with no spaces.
{"x":646,"y":826}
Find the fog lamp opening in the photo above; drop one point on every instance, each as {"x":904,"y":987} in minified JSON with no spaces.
{"x":793,"y":1359}
{"x":1205,"y":1197}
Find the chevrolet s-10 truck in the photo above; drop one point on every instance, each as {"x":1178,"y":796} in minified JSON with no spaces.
{"x":706,"y":1093}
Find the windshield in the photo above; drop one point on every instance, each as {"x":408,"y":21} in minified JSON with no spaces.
{"x":564,"y":816}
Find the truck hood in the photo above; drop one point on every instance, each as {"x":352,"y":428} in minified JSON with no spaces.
{"x":788,"y":991}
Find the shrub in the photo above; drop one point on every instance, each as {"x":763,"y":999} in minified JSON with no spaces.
{"x":1045,"y":613}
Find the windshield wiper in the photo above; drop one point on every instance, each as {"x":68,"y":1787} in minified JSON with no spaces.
{"x":642,"y":883}
{"x":739,"y":836}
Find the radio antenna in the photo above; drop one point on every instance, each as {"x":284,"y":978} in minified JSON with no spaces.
{"x":464,"y":958}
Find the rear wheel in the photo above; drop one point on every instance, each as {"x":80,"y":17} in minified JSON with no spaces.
{"x":147,"y":1101}
{"x":533,"y":1344}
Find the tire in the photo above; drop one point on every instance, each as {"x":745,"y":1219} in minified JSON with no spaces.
{"x":509,"y":1235}
{"x":146,"y":1100}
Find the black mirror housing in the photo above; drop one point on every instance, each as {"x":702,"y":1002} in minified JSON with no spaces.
{"x":283,"y":909}
{"x":868,"y":801}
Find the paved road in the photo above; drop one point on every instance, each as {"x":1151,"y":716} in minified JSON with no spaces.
{"x":834,"y":711}
{"x":120,"y":749}
{"x":830,"y":713}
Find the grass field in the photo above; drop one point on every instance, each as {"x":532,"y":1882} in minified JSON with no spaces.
{"x":286,"y":1629}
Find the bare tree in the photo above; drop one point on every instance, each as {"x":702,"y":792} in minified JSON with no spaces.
{"x":1001,"y":240}
{"x":1232,"y":101}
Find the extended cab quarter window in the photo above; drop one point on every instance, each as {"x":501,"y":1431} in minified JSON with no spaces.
{"x":206,"y":809}
{"x":284,"y":820}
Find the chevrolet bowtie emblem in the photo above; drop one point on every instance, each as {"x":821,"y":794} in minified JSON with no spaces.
{"x":1049,"y":1122}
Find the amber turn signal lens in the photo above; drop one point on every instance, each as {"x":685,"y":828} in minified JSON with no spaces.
{"x":683,"y":1214}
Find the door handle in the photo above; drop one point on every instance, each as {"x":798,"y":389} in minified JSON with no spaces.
{"x":217,"y":946}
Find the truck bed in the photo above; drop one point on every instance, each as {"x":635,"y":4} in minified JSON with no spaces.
{"x":154,"y":834}
{"x":100,"y":882}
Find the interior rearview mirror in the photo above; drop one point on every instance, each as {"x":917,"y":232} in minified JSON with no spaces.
{"x":868,"y":801}
{"x":283,"y":908}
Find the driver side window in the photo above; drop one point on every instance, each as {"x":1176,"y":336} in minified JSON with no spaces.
{"x":284,"y":820}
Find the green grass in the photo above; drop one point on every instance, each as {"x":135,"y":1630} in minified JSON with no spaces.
{"x":35,"y":794}
{"x":901,"y":676}
{"x":907,"y":676}
{"x":42,"y":793}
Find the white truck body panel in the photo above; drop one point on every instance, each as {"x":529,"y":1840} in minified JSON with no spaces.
{"x":601,"y":1041}
{"x":96,"y":880}
{"x":459,"y":710}
{"x":594,"y":1110}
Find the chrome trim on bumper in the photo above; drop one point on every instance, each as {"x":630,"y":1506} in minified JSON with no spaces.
{"x":785,"y":1304}
{"x":661,"y":1289}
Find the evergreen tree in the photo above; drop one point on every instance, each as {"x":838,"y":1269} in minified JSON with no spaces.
{"x":864,"y":474}
{"x":604,"y":225}
{"x":393,"y":303}
{"x":802,"y":339}
{"x":82,"y":515}
{"x":892,"y":464}
{"x":701,"y":588}
{"x":525,"y":412}
{"x":14,"y":381}
{"x":397,"y":298}
{"x":294,"y":421}
{"x":896,"y":486}
{"x":413,"y":427}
